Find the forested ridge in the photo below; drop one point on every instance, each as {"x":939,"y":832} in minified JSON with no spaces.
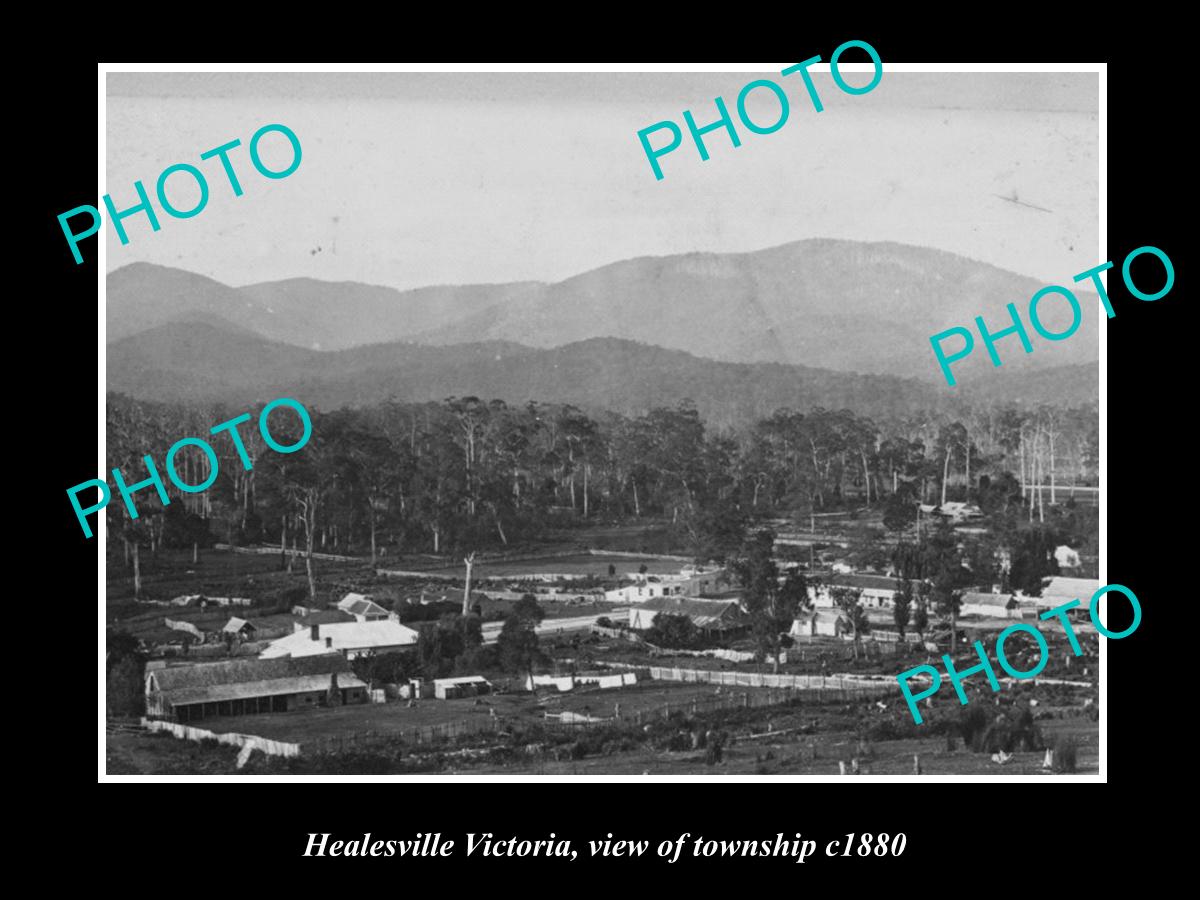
{"x":199,"y":362}
{"x":467,"y":474}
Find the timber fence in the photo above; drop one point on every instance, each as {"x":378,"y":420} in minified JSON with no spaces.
{"x":427,"y":734}
{"x":448,"y":731}
{"x":860,"y":685}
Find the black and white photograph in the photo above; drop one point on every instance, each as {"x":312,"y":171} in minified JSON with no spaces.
{"x":513,"y":424}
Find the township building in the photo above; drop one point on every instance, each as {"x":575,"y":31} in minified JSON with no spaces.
{"x":350,"y":639}
{"x":363,"y":608}
{"x":819,"y":623}
{"x":998,"y":606}
{"x":465,"y":686}
{"x":690,"y":584}
{"x":241,"y":629}
{"x":1059,"y":590}
{"x":878,"y":591}
{"x":720,"y":614}
{"x":247,"y":686}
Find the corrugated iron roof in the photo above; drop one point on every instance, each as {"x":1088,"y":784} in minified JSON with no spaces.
{"x":238,"y":671}
{"x":345,"y":636}
{"x":272,"y":687}
{"x":875,"y":582}
{"x":978,"y":598}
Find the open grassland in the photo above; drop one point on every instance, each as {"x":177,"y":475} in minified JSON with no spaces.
{"x":161,"y":754}
{"x":474,"y":713}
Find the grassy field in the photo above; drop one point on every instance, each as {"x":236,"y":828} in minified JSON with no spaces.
{"x":396,"y":717}
{"x":221,"y":573}
{"x":161,"y":754}
{"x":572,"y":566}
{"x":816,"y":756}
{"x":259,"y":578}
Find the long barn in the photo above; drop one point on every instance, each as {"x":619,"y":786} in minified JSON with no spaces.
{"x":248,"y":686}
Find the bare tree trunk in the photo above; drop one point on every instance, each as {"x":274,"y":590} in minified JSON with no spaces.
{"x":283,"y":554}
{"x":195,"y":552}
{"x":945,"y":475}
{"x":310,"y":521}
{"x":637,"y":508}
{"x":371,"y":513}
{"x":137,"y":572}
{"x":586,"y":467}
{"x":866,"y":477}
{"x":1024,"y":483}
{"x":1053,"y":498}
{"x":470,"y":561}
{"x":1040,"y":477}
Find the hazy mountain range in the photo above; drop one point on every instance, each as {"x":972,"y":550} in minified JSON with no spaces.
{"x":832,"y":323}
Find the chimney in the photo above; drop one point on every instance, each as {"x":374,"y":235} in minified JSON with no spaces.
{"x":316,"y":632}
{"x":328,"y":642}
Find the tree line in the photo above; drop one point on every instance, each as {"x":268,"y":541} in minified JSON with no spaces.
{"x":468,"y":474}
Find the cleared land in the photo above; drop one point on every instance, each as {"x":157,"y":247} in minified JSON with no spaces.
{"x":398,"y":717}
{"x":160,"y":754}
{"x":572,"y":566}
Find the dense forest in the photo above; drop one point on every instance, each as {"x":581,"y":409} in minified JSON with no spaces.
{"x":467,"y":474}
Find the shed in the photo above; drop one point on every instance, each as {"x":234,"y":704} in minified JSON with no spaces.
{"x":466,"y":686}
{"x":1003,"y":606}
{"x":240,"y":628}
{"x":237,"y":687}
{"x":819,"y":623}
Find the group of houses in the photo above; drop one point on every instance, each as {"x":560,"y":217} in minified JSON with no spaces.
{"x":246,"y":686}
{"x":308,"y":668}
{"x":723,"y":613}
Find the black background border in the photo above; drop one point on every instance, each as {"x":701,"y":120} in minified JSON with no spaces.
{"x":1145,"y":383}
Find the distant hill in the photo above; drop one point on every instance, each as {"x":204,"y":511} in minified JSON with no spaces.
{"x":1065,"y":386}
{"x":845,"y":306}
{"x":200,"y":363}
{"x":299,"y":311}
{"x":342,"y":314}
{"x":841,"y":305}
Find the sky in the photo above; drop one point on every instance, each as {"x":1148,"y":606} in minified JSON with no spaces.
{"x":412,"y":179}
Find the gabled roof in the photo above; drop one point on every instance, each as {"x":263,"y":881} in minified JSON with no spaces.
{"x":704,"y":613}
{"x":820,"y":615}
{"x":361,"y":605}
{"x":235,"y":671}
{"x":1071,"y":588}
{"x":296,"y":684}
{"x":874,"y":582}
{"x":343,"y":636}
{"x":234,"y":625}
{"x":327,"y":617}
{"x":978,"y":598}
